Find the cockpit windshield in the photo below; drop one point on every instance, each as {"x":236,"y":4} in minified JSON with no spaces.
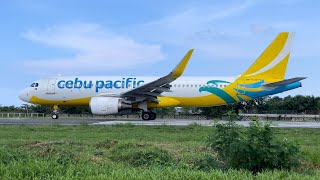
{"x":34,"y":84}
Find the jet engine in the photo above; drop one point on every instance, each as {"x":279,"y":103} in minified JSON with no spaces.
{"x":108,"y":105}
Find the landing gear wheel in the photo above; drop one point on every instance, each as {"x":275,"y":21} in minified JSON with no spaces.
{"x":145,"y":116}
{"x":55,"y":116}
{"x":148,"y":116}
{"x":153,"y":116}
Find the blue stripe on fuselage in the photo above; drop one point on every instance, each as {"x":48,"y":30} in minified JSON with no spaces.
{"x":269,"y":92}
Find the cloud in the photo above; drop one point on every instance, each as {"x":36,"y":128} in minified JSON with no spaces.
{"x":228,"y":30}
{"x":261,"y":28}
{"x":199,"y":27}
{"x":93,"y":46}
{"x":196,"y":18}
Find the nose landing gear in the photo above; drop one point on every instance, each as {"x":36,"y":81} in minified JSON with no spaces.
{"x":55,"y":114}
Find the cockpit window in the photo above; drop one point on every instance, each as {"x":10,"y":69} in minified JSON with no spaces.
{"x":34,"y":85}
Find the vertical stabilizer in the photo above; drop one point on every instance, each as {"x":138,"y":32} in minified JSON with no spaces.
{"x":271,"y":65}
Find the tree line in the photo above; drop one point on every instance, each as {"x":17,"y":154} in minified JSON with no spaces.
{"x":291,"y":104}
{"x":296,"y":104}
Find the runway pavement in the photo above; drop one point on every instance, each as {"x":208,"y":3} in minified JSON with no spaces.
{"x":210,"y":123}
{"x":169,"y":122}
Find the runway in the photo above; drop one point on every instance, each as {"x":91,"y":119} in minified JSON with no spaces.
{"x":168,"y":122}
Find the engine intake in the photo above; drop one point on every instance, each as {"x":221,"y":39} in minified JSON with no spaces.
{"x":108,"y":105}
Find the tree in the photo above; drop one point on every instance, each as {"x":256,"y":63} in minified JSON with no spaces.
{"x":12,"y":109}
{"x":40,"y":109}
{"x":75,"y":109}
{"x":166,"y":111}
{"x":255,"y":148}
{"x":219,"y":111}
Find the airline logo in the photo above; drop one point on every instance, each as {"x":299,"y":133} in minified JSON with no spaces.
{"x":100,"y":84}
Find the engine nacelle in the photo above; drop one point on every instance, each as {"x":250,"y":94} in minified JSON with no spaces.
{"x":108,"y":105}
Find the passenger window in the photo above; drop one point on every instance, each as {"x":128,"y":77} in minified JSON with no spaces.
{"x":191,"y":85}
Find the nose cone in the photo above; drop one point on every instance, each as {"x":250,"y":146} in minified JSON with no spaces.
{"x":24,"y":95}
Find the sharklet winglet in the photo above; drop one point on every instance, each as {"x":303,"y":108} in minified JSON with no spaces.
{"x":178,"y":70}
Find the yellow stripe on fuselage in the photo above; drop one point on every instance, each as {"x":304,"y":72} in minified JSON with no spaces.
{"x":202,"y":101}
{"x":71,"y":102}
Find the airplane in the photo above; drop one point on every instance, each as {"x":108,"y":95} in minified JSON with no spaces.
{"x":106,"y":95}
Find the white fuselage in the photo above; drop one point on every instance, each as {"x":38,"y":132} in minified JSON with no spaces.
{"x":76,"y":87}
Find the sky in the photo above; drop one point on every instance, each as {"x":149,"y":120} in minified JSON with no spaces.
{"x":42,"y":38}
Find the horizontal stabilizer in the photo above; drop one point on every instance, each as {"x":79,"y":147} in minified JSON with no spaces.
{"x":282,"y":83}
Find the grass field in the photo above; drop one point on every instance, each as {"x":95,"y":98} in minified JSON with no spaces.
{"x":131,"y":152}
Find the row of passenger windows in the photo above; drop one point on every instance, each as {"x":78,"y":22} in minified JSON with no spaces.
{"x":174,"y":85}
{"x":193,"y":85}
{"x":196,"y":85}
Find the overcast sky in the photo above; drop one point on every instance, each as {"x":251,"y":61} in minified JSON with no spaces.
{"x":45,"y":38}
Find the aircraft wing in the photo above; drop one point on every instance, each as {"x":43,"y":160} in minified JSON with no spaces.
{"x":150,"y":91}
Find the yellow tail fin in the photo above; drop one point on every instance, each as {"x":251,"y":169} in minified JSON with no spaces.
{"x":271,"y":65}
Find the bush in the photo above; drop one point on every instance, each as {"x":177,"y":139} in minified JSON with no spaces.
{"x":254,"y":148}
{"x":141,"y":155}
{"x":231,"y":115}
{"x":208,"y":163}
{"x":149,"y":157}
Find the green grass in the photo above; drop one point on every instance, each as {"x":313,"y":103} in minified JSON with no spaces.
{"x":131,"y":152}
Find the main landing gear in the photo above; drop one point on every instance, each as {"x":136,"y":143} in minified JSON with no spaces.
{"x":55,"y":114}
{"x":148,"y":116}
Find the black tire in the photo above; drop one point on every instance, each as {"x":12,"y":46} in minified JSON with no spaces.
{"x":153,"y":116}
{"x":55,"y":116}
{"x":145,"y":116}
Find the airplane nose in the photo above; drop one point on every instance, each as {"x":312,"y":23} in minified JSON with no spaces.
{"x":24,"y":95}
